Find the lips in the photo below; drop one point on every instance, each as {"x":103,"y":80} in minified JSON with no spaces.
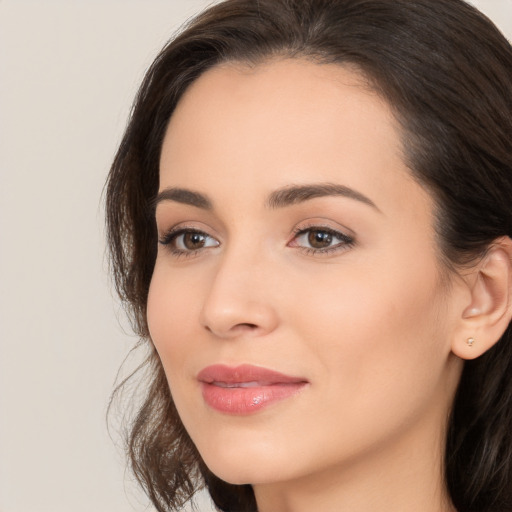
{"x":246,"y":389}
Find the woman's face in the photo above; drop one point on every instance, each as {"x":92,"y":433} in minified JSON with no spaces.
{"x":297,"y":302}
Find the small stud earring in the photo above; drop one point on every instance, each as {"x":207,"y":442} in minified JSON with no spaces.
{"x":470,"y":341}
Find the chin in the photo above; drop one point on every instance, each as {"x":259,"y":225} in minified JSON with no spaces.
{"x":238,"y":466}
{"x":248,"y":473}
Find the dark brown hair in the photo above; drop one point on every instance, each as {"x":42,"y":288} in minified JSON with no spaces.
{"x":447,"y":73}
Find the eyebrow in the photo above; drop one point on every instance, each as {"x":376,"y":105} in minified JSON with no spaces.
{"x":281,"y":198}
{"x":299,"y":193}
{"x":183,"y":196}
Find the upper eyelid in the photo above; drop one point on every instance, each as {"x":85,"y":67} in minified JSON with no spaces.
{"x":176,"y":231}
{"x":318,"y":227}
{"x":325,"y":224}
{"x":335,"y":232}
{"x":188,"y":226}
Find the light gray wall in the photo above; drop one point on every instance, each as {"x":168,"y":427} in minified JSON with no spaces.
{"x":68,"y":73}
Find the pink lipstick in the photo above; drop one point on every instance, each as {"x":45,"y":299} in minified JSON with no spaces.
{"x":245,"y":389}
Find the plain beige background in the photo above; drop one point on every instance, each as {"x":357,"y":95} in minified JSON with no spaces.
{"x":68,"y":72}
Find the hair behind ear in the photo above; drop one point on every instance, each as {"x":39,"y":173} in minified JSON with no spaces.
{"x":479,"y":443}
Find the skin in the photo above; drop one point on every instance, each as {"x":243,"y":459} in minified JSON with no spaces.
{"x":369,"y":324}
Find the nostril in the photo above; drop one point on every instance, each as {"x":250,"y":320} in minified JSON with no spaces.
{"x":243,"y":327}
{"x":236,"y":328}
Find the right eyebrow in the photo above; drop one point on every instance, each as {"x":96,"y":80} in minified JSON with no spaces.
{"x":183,"y":196}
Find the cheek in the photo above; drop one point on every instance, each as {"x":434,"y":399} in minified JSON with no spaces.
{"x":377,"y":348}
{"x":172,"y":312}
{"x":370,"y":330}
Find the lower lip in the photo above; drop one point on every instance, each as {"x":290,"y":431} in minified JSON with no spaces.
{"x":242,"y":401}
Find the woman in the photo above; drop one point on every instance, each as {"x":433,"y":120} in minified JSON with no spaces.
{"x":309,"y":219}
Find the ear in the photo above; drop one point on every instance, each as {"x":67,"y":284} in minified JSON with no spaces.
{"x":489,"y":311}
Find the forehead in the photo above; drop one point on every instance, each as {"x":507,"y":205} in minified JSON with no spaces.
{"x":283,"y":121}
{"x":281,"y":96}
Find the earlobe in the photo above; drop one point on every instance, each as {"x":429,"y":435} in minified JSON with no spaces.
{"x":489,"y":312}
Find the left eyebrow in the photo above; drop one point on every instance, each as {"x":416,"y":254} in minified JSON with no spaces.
{"x":294,"y":194}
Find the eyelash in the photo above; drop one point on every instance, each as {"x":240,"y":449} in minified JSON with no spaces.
{"x":345,"y":242}
{"x":169,"y":239}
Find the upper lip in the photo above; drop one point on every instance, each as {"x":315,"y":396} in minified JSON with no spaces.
{"x":245,"y":373}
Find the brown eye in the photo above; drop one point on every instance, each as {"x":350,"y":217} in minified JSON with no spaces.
{"x":193,"y":241}
{"x":319,"y":239}
{"x":188,"y":241}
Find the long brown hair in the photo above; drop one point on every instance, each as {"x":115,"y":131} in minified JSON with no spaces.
{"x":447,"y":73}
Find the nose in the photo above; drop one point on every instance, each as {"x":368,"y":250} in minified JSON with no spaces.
{"x":240,"y":300}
